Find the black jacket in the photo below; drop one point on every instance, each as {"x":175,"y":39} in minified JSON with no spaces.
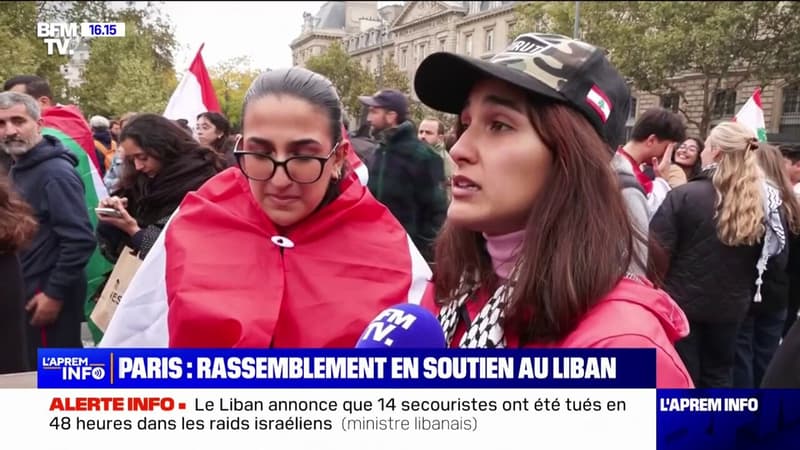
{"x":12,"y":316}
{"x":783,"y":371}
{"x":711,"y":282}
{"x":55,"y":261}
{"x":408,"y":178}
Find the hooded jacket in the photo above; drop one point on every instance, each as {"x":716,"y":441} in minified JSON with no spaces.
{"x":222,"y":265}
{"x":632,"y":315}
{"x":54,"y":262}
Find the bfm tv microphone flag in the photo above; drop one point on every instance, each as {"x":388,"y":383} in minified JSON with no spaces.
{"x":194,"y":94}
{"x":752,"y":116}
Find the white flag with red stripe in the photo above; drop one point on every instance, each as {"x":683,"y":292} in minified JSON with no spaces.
{"x":194,"y":94}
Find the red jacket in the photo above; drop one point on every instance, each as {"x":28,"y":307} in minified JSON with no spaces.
{"x":632,"y":315}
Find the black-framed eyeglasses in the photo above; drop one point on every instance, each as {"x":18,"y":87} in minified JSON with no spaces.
{"x":259,"y":166}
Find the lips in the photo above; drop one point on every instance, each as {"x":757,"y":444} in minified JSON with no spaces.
{"x":282,"y":200}
{"x":462,"y":182}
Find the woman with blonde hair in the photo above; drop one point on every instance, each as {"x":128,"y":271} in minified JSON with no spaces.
{"x":719,"y":231}
{"x":760,"y":333}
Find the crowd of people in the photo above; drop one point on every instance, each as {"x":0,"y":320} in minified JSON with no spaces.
{"x":533,"y":220}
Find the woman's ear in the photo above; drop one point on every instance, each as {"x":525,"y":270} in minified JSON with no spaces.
{"x":340,"y":155}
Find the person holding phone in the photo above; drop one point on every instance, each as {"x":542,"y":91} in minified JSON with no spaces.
{"x":161,"y":165}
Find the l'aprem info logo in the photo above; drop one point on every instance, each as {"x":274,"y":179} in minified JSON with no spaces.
{"x":64,"y":38}
{"x":75,"y":368}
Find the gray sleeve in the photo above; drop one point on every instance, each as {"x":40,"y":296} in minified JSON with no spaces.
{"x":640,"y":219}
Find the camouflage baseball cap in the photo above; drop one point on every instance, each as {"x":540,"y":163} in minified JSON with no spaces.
{"x":549,"y":65}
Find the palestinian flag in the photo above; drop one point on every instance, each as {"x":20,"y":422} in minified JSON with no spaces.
{"x":752,"y":116}
{"x":67,"y":124}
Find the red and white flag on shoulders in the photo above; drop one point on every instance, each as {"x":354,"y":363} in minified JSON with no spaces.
{"x":194,"y":94}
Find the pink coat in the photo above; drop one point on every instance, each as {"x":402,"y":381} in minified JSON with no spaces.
{"x":632,"y":315}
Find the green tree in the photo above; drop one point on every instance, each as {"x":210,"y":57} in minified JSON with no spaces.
{"x":349,"y":77}
{"x":134,"y":73}
{"x":393,"y":77}
{"x":231,"y":79}
{"x":22,"y":52}
{"x":725,"y":43}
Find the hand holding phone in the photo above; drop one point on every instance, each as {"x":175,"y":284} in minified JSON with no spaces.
{"x":108,"y":212}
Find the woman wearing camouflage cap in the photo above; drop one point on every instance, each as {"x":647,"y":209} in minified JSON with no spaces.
{"x":538,"y":238}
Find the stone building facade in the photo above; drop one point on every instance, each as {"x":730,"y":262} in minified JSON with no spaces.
{"x":407,"y":33}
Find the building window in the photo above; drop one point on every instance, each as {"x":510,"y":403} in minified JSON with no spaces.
{"x":724,"y":104}
{"x":631,"y":119}
{"x":485,"y":6}
{"x":671,"y":101}
{"x":442,"y":44}
{"x":489,"y":44}
{"x":790,"y":114}
{"x":403,"y":58}
{"x":468,"y":44}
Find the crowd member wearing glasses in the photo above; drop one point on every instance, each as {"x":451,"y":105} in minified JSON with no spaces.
{"x":685,"y":162}
{"x":289,"y":249}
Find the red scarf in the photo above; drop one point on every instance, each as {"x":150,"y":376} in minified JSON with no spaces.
{"x":230,"y":285}
{"x":643,"y":179}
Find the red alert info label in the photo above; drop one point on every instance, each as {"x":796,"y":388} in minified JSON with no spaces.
{"x":619,"y":419}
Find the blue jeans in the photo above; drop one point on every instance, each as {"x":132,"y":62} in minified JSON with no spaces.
{"x":756,"y":344}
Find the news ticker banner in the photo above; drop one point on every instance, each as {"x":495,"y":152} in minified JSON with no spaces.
{"x":345,"y":368}
{"x":392,"y":399}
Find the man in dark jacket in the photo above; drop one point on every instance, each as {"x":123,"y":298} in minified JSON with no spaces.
{"x":404,"y":174}
{"x":53,"y":264}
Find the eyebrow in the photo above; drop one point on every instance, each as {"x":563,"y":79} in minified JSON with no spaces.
{"x":267,"y":142}
{"x":500,"y":101}
{"x":14,"y":118}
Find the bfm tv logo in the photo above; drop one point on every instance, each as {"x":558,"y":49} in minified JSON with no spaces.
{"x":61,"y":38}
{"x":75,"y":368}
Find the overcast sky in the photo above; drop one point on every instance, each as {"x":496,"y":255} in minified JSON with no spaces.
{"x":261,"y":31}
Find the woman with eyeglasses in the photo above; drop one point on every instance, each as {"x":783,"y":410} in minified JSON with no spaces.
{"x":685,"y":162}
{"x":288,"y":249}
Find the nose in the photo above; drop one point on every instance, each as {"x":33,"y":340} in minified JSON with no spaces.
{"x":280,"y":179}
{"x":463,"y":150}
{"x":138,"y":165}
{"x":10,"y":130}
